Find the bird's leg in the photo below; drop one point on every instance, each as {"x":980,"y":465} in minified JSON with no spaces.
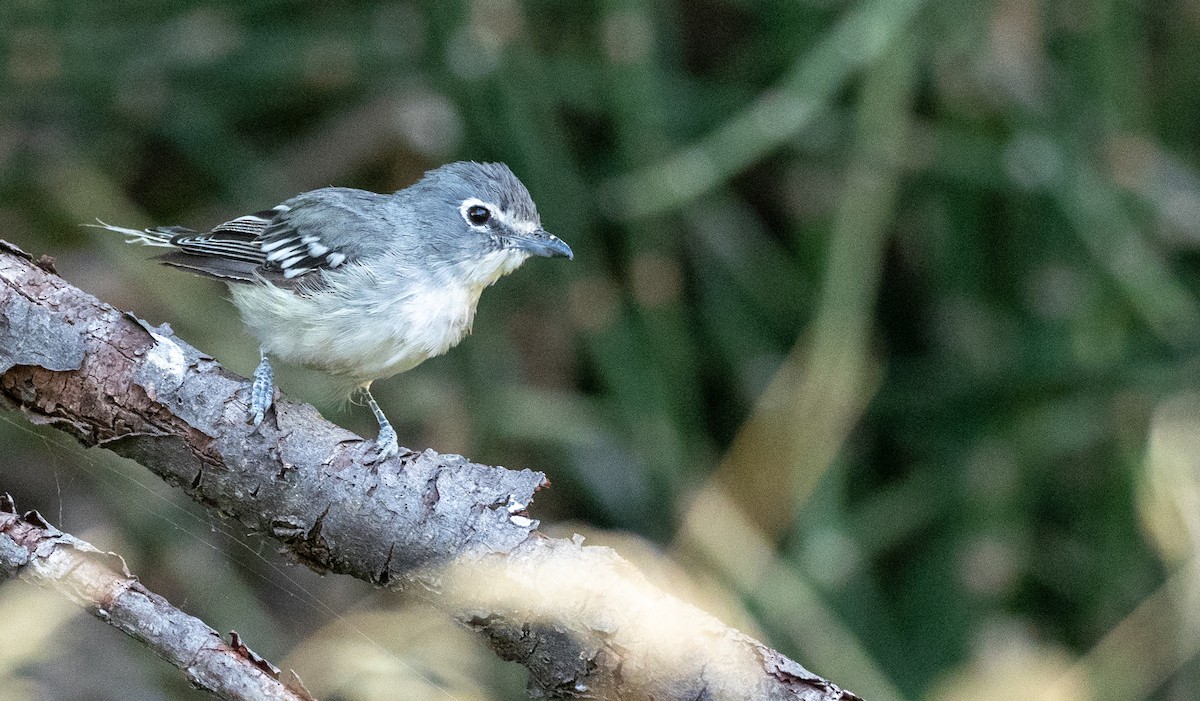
{"x":387,"y":443}
{"x":262,"y":392}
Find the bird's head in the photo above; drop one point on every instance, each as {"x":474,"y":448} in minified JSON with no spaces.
{"x":480,"y":221}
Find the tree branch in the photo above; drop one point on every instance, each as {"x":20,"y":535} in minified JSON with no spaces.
{"x":99,"y":582}
{"x":583,"y":621}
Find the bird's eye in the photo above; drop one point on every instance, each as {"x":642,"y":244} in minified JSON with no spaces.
{"x":478,"y":215}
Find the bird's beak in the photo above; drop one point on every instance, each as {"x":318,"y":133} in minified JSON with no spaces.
{"x":541,"y":243}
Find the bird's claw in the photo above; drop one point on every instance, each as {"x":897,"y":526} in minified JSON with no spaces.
{"x":387,"y":445}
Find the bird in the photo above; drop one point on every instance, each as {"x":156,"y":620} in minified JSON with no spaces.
{"x":363,"y":285}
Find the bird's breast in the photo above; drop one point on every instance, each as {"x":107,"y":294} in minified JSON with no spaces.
{"x":432,"y":319}
{"x":367,"y":334}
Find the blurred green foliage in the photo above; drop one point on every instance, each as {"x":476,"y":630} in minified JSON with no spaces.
{"x":911,"y":280}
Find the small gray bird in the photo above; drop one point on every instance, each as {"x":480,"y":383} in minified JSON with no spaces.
{"x":363,"y":285}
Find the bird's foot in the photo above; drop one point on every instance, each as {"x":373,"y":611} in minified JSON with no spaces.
{"x":262,"y":392}
{"x":387,"y":445}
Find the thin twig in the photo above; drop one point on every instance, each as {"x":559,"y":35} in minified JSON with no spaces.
{"x":98,"y":581}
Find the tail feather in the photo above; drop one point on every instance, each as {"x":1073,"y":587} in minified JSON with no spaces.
{"x":146,"y":237}
{"x":229,"y":256}
{"x":223,"y":269}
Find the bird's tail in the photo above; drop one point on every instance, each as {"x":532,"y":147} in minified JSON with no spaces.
{"x":160,"y":238}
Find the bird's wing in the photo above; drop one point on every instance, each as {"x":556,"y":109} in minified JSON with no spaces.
{"x":324,"y":229}
{"x":312,"y":231}
{"x":236,"y":239}
{"x":304,"y":237}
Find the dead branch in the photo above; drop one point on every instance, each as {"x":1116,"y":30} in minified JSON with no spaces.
{"x":582,"y":620}
{"x":98,"y":581}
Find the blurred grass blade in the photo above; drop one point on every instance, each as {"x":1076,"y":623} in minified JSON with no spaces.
{"x":1106,"y":228}
{"x":1141,"y":652}
{"x":721,"y":531}
{"x":821,"y":389}
{"x":862,"y":36}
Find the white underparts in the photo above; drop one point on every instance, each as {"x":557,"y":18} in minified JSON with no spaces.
{"x":367,"y":324}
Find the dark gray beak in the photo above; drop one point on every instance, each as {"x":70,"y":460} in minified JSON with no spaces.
{"x":541,"y":243}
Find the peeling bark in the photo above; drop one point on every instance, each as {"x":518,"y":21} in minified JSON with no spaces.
{"x":456,"y":529}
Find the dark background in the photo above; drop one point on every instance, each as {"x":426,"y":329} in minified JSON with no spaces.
{"x":880,"y":340}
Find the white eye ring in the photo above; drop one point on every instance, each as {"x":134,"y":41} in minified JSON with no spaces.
{"x":476,"y":212}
